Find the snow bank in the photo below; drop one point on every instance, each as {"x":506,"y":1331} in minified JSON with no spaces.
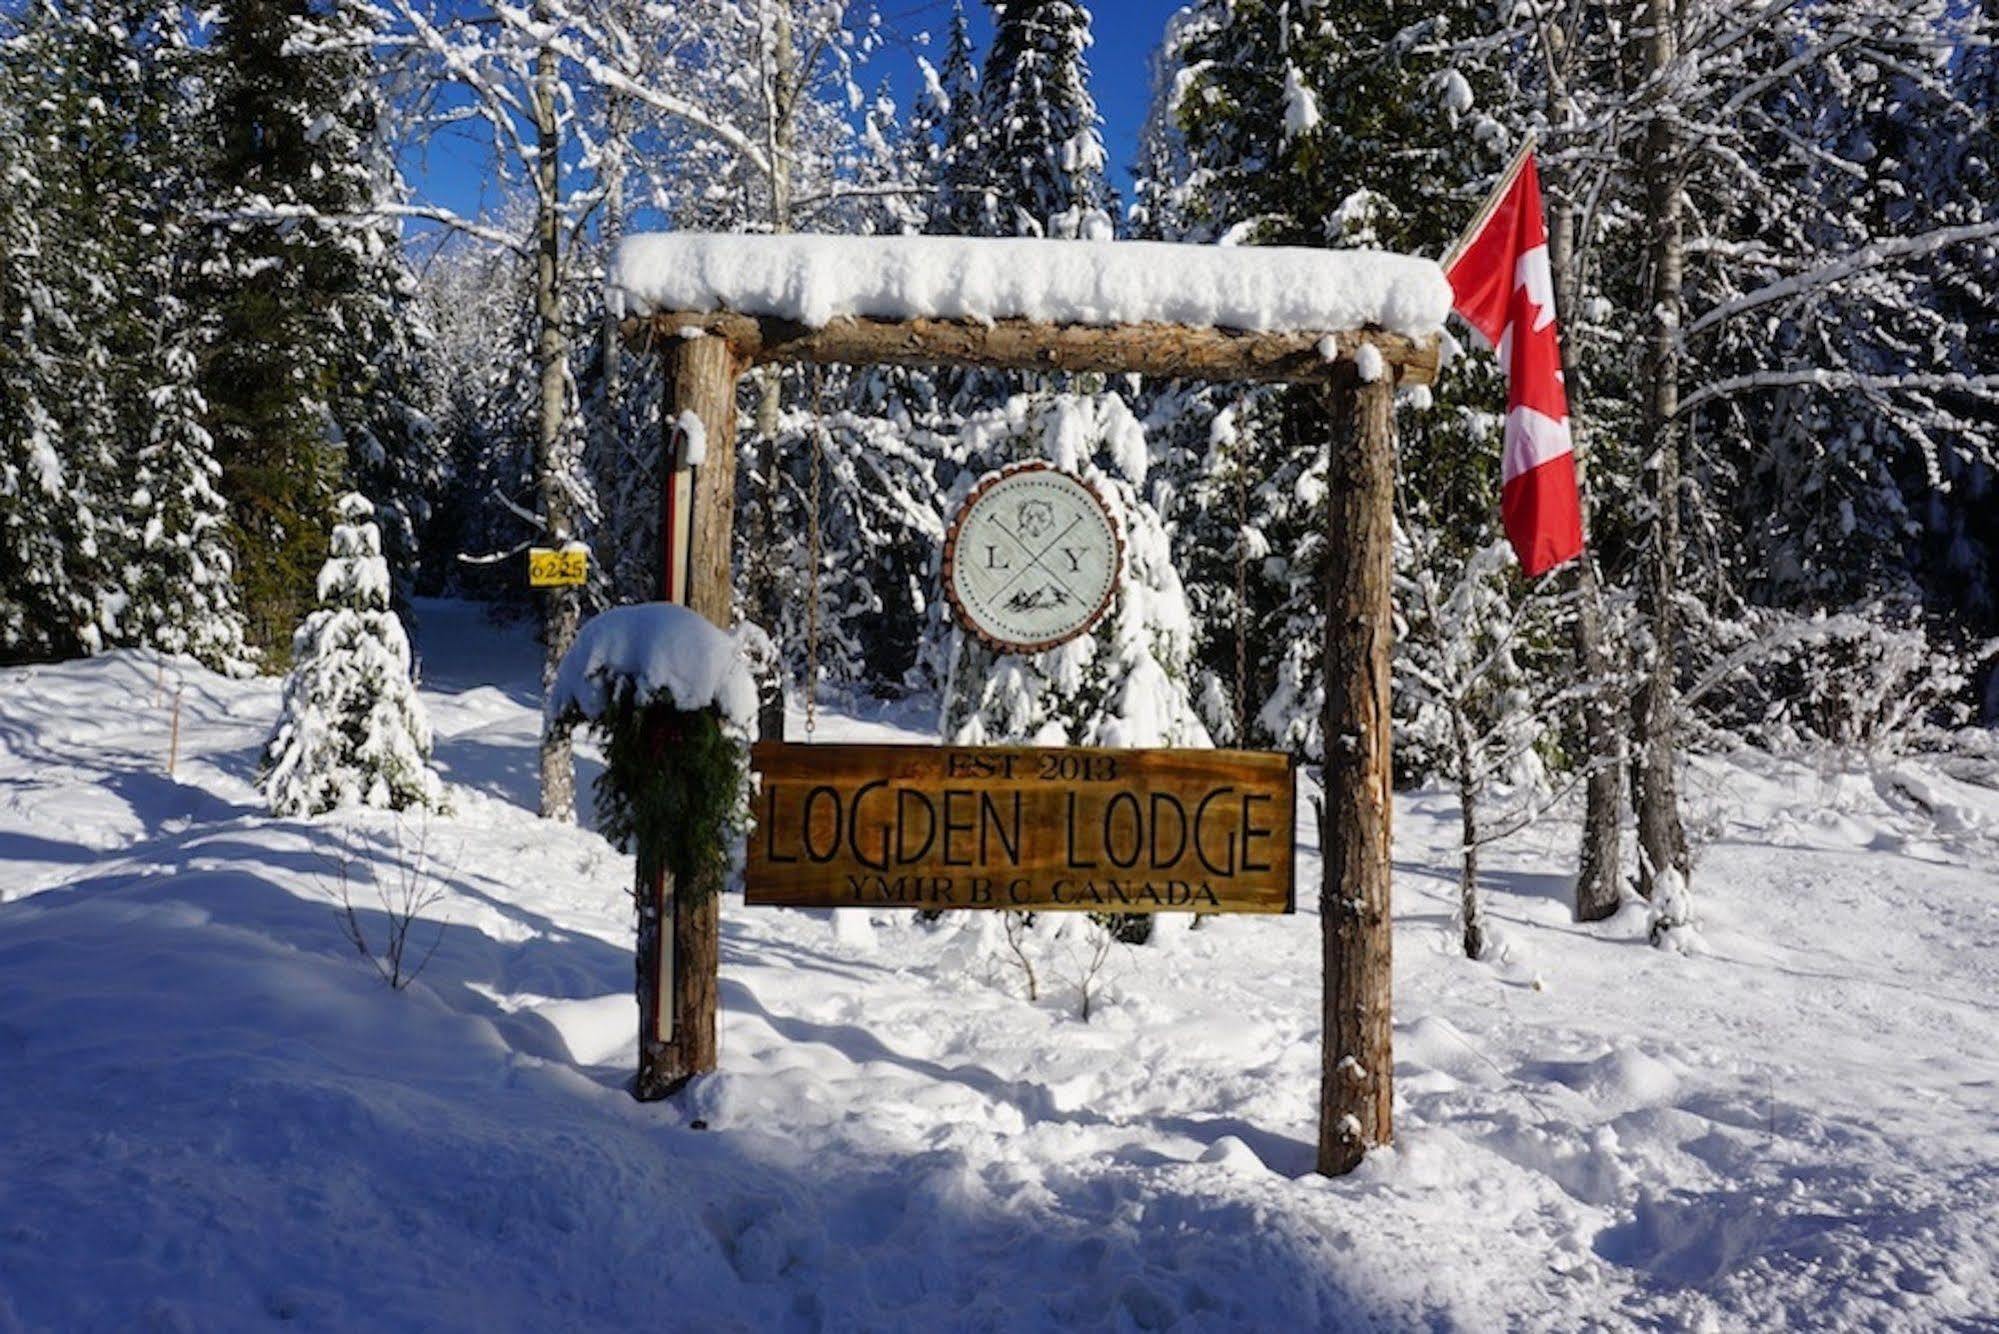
{"x":1791,"y":1129}
{"x":668,"y":650}
{"x":816,"y":278}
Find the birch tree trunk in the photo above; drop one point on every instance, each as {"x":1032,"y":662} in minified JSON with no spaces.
{"x":613,"y":452}
{"x":560,"y":607}
{"x":1662,"y":840}
{"x":780,"y":82}
{"x":1599,"y":863}
{"x":1471,"y":909}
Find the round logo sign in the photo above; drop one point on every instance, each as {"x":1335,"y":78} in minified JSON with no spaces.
{"x":1032,"y":559}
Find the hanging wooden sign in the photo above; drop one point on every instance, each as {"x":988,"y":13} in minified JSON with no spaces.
{"x":557,"y":567}
{"x":865,"y":826}
{"x":1032,"y":558}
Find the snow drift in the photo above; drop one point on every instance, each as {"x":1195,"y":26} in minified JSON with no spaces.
{"x":217,"y":1117}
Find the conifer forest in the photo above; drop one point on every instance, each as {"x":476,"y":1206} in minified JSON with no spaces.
{"x":317,"y":317}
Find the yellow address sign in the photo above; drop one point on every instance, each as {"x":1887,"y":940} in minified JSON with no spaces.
{"x":551,"y":568}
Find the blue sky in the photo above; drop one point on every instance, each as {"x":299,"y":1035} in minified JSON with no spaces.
{"x":1126,"y":31}
{"x":451,"y":172}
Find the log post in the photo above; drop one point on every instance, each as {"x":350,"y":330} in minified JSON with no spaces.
{"x":1357,"y":1066}
{"x":679,"y":944}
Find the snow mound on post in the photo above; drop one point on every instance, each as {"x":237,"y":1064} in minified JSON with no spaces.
{"x":667,"y":651}
{"x":815,"y":279}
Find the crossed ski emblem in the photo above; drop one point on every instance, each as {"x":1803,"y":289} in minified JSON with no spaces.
{"x":1034,"y":558}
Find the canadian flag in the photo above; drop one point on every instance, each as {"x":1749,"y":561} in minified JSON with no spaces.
{"x":1503,"y":287}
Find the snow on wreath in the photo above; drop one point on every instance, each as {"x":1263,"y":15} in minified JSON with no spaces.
{"x":672,"y":699}
{"x":668,"y":653}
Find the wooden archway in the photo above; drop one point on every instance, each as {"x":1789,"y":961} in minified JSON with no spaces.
{"x":704,"y":353}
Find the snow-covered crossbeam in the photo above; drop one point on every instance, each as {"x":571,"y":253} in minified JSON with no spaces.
{"x":814,"y":279}
{"x":1273,"y":307}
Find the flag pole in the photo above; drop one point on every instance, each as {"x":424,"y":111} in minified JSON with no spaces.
{"x":1491,"y":203}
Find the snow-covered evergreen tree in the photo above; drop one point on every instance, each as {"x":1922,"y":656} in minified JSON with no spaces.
{"x":174,"y":553}
{"x":1853,"y":434}
{"x":392,"y":451}
{"x":1127,"y":682}
{"x":1026,"y":158}
{"x":1041,"y":149}
{"x":1162,"y":175}
{"x":283,"y":289}
{"x":959,"y":204}
{"x":1221,"y":509}
{"x":53,"y":597}
{"x":181,"y":576}
{"x":93,"y":236}
{"x":879,"y":526}
{"x":874,"y":432}
{"x":352,"y":731}
{"x":1287,"y":124}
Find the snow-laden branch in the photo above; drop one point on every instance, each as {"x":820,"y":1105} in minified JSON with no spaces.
{"x":497,"y":104}
{"x":840,"y":192}
{"x":496,"y":557}
{"x":678,"y":108}
{"x":1871,"y":256}
{"x":368,"y":217}
{"x":616,"y":80}
{"x":1801,"y":631}
{"x":525,"y":515}
{"x":1821,"y":377}
{"x":1755,"y":88}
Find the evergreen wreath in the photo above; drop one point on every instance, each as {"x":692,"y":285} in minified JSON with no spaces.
{"x":672,"y":788}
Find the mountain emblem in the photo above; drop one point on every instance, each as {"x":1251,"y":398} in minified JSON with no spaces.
{"x":1041,"y":597}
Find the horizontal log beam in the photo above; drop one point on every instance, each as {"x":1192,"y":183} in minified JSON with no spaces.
{"x":1168,"y":350}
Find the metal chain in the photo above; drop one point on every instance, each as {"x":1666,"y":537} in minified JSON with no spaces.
{"x":813,"y":559}
{"x":1241,"y":587}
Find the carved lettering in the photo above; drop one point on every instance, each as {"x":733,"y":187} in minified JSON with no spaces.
{"x":998,"y":827}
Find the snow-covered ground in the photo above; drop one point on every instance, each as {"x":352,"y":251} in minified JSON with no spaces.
{"x":217,"y":1117}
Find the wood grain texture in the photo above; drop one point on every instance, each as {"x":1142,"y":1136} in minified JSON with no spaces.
{"x":1169,"y":350}
{"x":1357,"y":1063}
{"x":1048,"y":829}
{"x":700,"y":378}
